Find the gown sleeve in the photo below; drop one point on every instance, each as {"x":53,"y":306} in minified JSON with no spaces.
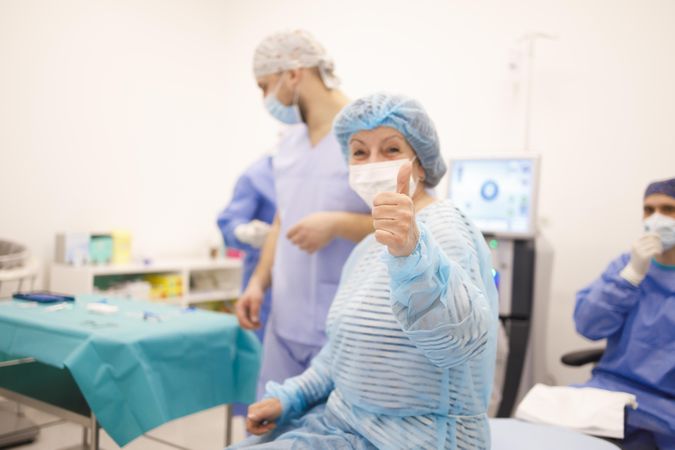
{"x":602,"y":307}
{"x":437,"y":304}
{"x":302,"y":392}
{"x":241,"y":210}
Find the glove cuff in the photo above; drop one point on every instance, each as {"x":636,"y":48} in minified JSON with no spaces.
{"x":631,"y":275}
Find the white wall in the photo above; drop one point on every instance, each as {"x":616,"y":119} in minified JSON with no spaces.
{"x":141,"y":113}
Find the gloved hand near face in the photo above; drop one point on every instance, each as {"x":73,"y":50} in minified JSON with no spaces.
{"x":642,"y":252}
{"x":659,"y":237}
{"x":394,"y":216}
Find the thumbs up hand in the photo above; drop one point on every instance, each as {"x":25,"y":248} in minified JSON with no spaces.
{"x":394,"y":216}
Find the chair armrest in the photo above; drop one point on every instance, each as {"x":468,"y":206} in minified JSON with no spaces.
{"x":582,"y":357}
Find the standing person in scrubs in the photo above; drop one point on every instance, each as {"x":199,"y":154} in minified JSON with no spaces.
{"x":632,"y":305}
{"x":319,"y":218}
{"x":247,"y":219}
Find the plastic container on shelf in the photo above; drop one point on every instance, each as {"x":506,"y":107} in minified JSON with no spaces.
{"x":100,"y":249}
{"x":12,"y":255}
{"x":121,"y":249}
{"x":164,"y":285}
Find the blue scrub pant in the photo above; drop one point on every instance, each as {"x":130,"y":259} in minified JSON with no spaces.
{"x":637,"y":439}
{"x":283,"y":358}
{"x":643,"y":430}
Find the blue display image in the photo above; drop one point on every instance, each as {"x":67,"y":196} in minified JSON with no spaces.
{"x":489,"y":190}
{"x":495,"y":193}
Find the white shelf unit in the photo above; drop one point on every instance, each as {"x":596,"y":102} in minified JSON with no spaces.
{"x":79,"y":280}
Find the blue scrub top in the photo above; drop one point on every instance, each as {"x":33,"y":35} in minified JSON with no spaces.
{"x":639,"y":325}
{"x":254,"y":198}
{"x":308,"y":180}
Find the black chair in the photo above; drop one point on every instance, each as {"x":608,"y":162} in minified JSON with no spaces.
{"x":582,"y":357}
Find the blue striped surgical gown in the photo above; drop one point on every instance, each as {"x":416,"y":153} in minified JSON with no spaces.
{"x":409,"y":360}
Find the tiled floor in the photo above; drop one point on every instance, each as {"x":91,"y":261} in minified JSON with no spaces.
{"x":202,"y":431}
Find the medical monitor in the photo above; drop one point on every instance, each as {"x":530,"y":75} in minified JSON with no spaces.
{"x":499,"y":194}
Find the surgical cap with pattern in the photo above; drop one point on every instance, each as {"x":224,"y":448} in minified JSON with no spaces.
{"x":400,"y":113}
{"x":295,"y":49}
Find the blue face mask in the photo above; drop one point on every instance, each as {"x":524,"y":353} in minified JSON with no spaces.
{"x":289,"y":115}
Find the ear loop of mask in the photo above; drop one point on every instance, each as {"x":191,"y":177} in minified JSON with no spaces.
{"x":288,"y":114}
{"x":296,"y":92}
{"x":296,"y":99}
{"x":412,"y":177}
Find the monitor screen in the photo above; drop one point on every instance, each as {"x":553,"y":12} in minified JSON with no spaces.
{"x":499,"y":194}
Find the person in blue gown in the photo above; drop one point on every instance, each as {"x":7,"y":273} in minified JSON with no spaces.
{"x":246,"y":221}
{"x":632,"y":306}
{"x":410,"y":355}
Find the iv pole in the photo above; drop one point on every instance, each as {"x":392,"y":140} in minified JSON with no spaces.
{"x":530,"y":39}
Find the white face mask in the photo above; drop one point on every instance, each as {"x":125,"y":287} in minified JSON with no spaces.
{"x":368,"y":180}
{"x":664,"y":226}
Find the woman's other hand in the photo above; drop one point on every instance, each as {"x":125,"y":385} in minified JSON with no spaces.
{"x":262,"y":416}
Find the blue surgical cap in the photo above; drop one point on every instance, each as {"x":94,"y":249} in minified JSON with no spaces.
{"x":666,"y":187}
{"x":402,"y":114}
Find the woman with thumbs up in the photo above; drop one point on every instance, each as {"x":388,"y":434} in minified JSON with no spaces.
{"x":409,"y":360}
